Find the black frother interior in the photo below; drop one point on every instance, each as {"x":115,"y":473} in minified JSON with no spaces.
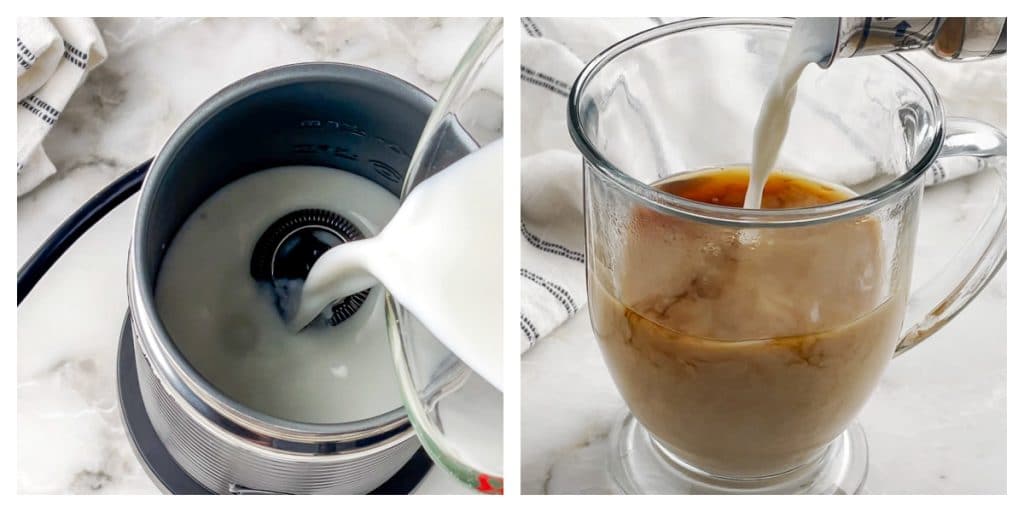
{"x":353,"y":119}
{"x":315,"y":114}
{"x":287,"y":250}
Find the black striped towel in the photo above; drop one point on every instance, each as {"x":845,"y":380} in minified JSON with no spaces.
{"x":554,"y":51}
{"x":54,"y":56}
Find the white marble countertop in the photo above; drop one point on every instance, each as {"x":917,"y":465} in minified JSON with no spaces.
{"x":937,"y":422}
{"x":70,"y":437}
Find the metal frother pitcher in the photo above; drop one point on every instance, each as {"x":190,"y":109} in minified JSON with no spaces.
{"x":951,"y":39}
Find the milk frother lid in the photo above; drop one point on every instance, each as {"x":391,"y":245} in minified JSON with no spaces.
{"x":161,"y":467}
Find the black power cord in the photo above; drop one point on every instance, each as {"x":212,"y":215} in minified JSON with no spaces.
{"x":76,"y":225}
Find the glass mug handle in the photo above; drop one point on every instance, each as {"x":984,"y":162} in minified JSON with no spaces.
{"x":935,"y":304}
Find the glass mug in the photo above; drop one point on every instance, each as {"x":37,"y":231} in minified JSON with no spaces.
{"x":745,"y":342}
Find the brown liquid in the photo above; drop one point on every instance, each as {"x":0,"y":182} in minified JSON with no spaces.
{"x":746,"y":354}
{"x":727,"y":187}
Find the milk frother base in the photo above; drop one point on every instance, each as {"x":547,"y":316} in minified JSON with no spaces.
{"x":639,"y":465}
{"x":162,"y":468}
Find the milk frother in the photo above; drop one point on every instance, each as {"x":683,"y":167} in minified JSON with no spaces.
{"x":190,"y":437}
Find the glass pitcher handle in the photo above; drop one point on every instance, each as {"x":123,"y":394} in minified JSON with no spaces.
{"x":935,"y":304}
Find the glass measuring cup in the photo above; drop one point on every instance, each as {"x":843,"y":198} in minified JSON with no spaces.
{"x":743,"y":413}
{"x":456,"y":413}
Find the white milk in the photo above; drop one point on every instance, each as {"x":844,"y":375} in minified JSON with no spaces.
{"x":440,"y":256}
{"x":810,"y":41}
{"x":226,"y":324}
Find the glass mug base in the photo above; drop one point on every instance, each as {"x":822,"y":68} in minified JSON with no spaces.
{"x":640,"y":465}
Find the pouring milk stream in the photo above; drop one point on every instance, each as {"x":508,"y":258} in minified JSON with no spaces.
{"x":811,"y":41}
{"x":439,"y":256}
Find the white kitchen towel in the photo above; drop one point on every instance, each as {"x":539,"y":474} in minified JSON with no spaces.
{"x":54,"y":57}
{"x":554,"y":51}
